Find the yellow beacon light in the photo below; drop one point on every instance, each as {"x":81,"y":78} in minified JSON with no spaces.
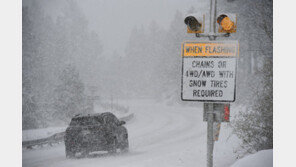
{"x":195,"y":23}
{"x":226,"y":25}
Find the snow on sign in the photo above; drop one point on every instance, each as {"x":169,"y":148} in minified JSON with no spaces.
{"x":209,"y":71}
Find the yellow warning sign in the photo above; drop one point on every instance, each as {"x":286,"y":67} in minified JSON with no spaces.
{"x":210,"y":49}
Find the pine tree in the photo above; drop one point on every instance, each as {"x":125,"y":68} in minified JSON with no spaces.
{"x":29,"y":106}
{"x":255,"y":125}
{"x":70,"y":98}
{"x":47,"y":47}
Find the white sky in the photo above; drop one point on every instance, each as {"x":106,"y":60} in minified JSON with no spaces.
{"x":113,"y":20}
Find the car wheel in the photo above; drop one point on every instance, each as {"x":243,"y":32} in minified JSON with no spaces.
{"x":113,"y":146}
{"x":124,"y":146}
{"x":70,"y":154}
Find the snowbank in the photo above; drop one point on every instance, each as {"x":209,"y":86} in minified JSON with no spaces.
{"x":260,"y":159}
{"x":34,"y":134}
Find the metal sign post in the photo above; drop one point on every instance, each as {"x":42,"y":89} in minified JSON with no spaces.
{"x":210,"y":143}
{"x":213,"y":13}
{"x":210,"y":140}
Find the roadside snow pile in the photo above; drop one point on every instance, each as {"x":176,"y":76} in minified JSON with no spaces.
{"x":34,"y":134}
{"x":260,"y":159}
{"x":119,"y":110}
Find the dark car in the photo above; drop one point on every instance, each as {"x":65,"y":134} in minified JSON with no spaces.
{"x":95,"y":132}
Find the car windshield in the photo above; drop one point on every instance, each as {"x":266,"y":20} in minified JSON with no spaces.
{"x":110,"y":119}
{"x":85,"y":121}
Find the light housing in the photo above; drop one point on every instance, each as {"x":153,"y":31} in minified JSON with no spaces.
{"x":227,"y":23}
{"x":195,"y":23}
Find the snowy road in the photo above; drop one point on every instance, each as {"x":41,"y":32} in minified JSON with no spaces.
{"x":159,"y":135}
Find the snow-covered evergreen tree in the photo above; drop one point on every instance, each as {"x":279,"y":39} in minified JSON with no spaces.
{"x":49,"y":43}
{"x":69,"y":95}
{"x":29,"y":103}
{"x":255,"y":125}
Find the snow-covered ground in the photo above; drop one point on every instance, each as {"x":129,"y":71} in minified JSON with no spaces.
{"x":262,"y":158}
{"x":34,"y":134}
{"x":159,"y":135}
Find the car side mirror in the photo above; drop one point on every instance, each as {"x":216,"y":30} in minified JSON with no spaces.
{"x":121,"y":123}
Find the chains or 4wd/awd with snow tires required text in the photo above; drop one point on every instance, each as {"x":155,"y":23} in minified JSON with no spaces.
{"x":95,"y":132}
